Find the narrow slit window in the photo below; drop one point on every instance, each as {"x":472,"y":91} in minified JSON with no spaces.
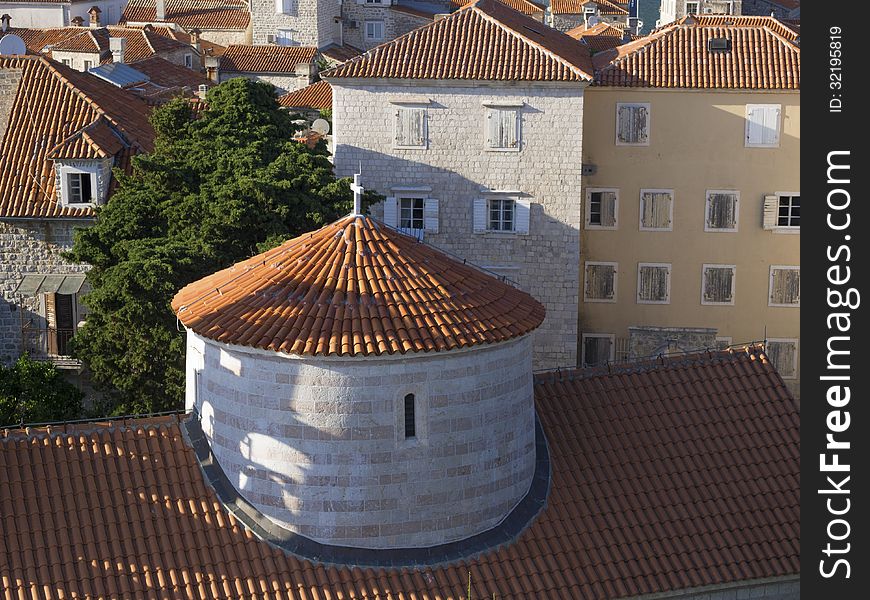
{"x":410,"y":417}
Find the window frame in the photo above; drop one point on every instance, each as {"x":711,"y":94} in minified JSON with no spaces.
{"x":87,"y":64}
{"x":399,"y":107}
{"x":667,"y":299}
{"x":796,"y":343}
{"x":670,"y":227}
{"x":786,"y":228}
{"x":501,"y":200}
{"x":750,"y":144}
{"x":588,"y":215}
{"x":65,"y":192}
{"x":496,"y":108}
{"x":585,"y":336}
{"x":366,"y":24}
{"x":770,"y":301}
{"x":411,"y":196}
{"x":686,"y":7}
{"x":615,"y":266}
{"x":704,"y":268}
{"x":648,"y":123}
{"x":188,"y":61}
{"x":707,"y":206}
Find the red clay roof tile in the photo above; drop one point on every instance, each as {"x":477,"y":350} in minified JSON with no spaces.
{"x":483,"y":40}
{"x":677,"y":56}
{"x":53,"y":103}
{"x":265,"y":59}
{"x":355,"y":288}
{"x":575,"y":7}
{"x":192,"y":14}
{"x":624,"y":515}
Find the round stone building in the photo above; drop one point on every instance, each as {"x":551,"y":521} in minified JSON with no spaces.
{"x":362,"y":389}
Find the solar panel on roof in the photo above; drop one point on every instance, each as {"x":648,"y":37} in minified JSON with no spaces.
{"x":119,"y":74}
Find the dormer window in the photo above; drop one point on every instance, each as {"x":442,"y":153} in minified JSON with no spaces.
{"x":80,"y":183}
{"x":719,"y":45}
{"x":80,"y":188}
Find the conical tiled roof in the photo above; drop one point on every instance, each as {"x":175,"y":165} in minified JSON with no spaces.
{"x":355,"y":288}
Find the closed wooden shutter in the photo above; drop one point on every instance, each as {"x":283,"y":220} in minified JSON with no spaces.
{"x":719,"y":284}
{"x":754,"y":125}
{"x":596,"y":350}
{"x":722,"y":211}
{"x":430,"y":215}
{"x":652,"y":283}
{"x":600,"y":281}
{"x":479,"y":216}
{"x":785,"y":286}
{"x":771,"y":125}
{"x":608,"y":209}
{"x":771,"y":212}
{"x":783,"y":357}
{"x":522,"y":210}
{"x":391,"y":212}
{"x":632,"y":124}
{"x":49,"y":302}
{"x":417,"y":126}
{"x":656,"y":210}
{"x":508,"y":128}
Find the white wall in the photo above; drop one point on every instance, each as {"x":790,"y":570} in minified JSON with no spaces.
{"x":318,"y":446}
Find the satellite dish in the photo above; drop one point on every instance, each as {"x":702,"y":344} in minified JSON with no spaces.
{"x":12,"y":44}
{"x":592,"y":21}
{"x":321,"y":126}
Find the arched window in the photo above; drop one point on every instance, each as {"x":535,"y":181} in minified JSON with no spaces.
{"x":410,"y":417}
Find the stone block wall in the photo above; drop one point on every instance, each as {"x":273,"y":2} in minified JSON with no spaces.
{"x":566,"y":22}
{"x":456,"y":168}
{"x":650,"y":341}
{"x":763,"y":8}
{"x":284,"y":82}
{"x":29,"y":247}
{"x":396,"y":23}
{"x":312,"y":21}
{"x":318,"y":446}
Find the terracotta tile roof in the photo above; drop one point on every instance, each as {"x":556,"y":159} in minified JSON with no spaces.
{"x":575,"y":7}
{"x":317,"y":95}
{"x":97,"y":140}
{"x":780,"y":28}
{"x":677,"y":57}
{"x":167,"y":74}
{"x":355,"y":288}
{"x":191,"y":14}
{"x":413,"y":11}
{"x":53,"y":104}
{"x":140,"y":43}
{"x":527,"y":7}
{"x":205,"y":46}
{"x":265,"y":59}
{"x":678,"y":474}
{"x":340,"y":53}
{"x":485,"y":40}
{"x":601,"y":36}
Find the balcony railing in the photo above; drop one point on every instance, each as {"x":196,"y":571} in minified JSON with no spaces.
{"x":49,"y":343}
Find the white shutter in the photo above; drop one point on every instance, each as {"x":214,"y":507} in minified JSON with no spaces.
{"x":400,"y":127}
{"x":430,"y":215}
{"x":480,"y":215}
{"x":771,"y":212}
{"x":508,"y":128}
{"x":279,"y":7}
{"x":418,"y":127}
{"x":492,"y":124}
{"x":754,"y":125}
{"x":623,"y":119}
{"x":641,"y":125}
{"x":608,"y":209}
{"x":391,"y":212}
{"x":522,"y":210}
{"x":771,"y":125}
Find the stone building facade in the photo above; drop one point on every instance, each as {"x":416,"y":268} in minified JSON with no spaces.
{"x":31,"y":246}
{"x":674,"y":10}
{"x":296,"y":22}
{"x":779,"y":9}
{"x":393,"y":21}
{"x":456,"y":169}
{"x":322,"y":446}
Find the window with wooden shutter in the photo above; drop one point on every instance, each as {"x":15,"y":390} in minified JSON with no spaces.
{"x":410,"y":127}
{"x":785,"y":286}
{"x":411,"y":215}
{"x":717,"y":284}
{"x":653,"y":283}
{"x":762,"y":125}
{"x":479,"y":215}
{"x":632,"y":124}
{"x":503,"y":128}
{"x":783,"y":355}
{"x":502,"y":214}
{"x":601,"y":208}
{"x":391,"y":211}
{"x":430,"y":215}
{"x":598,"y":349}
{"x":788,"y":210}
{"x":722,"y":210}
{"x":656,"y":209}
{"x":600,"y":282}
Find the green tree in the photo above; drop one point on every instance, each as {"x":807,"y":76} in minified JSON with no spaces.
{"x":215,"y":189}
{"x":36,"y":392}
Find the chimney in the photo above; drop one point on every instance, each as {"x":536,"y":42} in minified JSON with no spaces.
{"x":77,"y":22}
{"x":212,"y":68}
{"x":161,"y":10}
{"x":117,"y":46}
{"x":94,"y":13}
{"x":194,"y":38}
{"x":5,"y":19}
